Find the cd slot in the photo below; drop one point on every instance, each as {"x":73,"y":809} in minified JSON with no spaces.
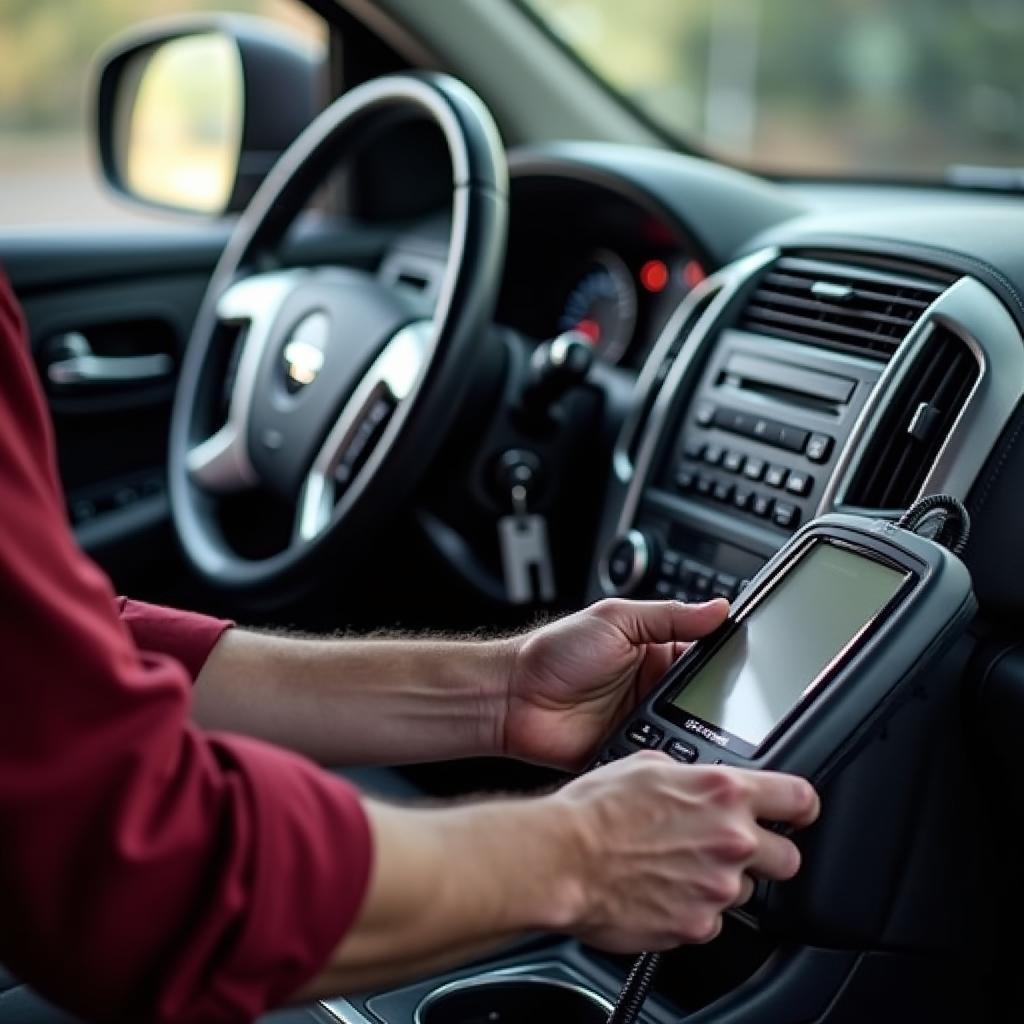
{"x":787,"y":383}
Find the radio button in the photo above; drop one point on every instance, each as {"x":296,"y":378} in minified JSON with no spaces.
{"x":685,"y":479}
{"x":680,"y":751}
{"x":787,"y":516}
{"x":741,"y":497}
{"x":754,"y":469}
{"x":799,"y":484}
{"x":792,"y":438}
{"x":713,"y":454}
{"x":733,"y":462}
{"x":643,"y":734}
{"x":725,"y":586}
{"x":735,"y":421}
{"x":819,"y":446}
{"x":694,"y":450}
{"x":697,"y":578}
{"x":701,"y":584}
{"x":705,"y":414}
{"x":705,"y":484}
{"x":629,"y":562}
{"x":775,"y":476}
{"x":761,"y":505}
{"x":767,"y":431}
{"x":723,"y":491}
{"x":670,"y":561}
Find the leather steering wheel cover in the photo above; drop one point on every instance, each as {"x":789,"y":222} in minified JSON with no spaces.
{"x":464,"y":308}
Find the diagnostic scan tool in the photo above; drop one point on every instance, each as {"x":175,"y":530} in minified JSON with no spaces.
{"x":819,"y":650}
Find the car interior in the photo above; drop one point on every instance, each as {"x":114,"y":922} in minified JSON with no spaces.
{"x":455,"y":336}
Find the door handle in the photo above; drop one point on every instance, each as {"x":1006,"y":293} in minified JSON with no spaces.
{"x":79,"y":367}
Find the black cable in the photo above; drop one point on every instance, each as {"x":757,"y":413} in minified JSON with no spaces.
{"x":954,"y":521}
{"x":634,"y":991}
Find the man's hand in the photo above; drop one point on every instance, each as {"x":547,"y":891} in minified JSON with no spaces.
{"x":643,"y":854}
{"x":572,"y":681}
{"x":666,"y":848}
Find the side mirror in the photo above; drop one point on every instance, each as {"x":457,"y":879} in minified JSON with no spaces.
{"x":192,"y":114}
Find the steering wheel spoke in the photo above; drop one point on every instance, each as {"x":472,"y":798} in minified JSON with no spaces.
{"x":221,"y":464}
{"x":363,"y":431}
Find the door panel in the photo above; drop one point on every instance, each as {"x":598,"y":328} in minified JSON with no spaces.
{"x":122,"y":297}
{"x":130,"y":294}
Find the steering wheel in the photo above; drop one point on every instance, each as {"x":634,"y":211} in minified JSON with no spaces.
{"x":341,"y":392}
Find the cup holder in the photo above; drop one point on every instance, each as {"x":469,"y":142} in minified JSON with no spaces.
{"x":512,"y":999}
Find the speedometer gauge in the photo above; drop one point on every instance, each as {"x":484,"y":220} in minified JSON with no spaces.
{"x":602,"y":306}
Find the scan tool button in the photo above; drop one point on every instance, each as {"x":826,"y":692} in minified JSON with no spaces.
{"x":643,"y":734}
{"x":680,"y":751}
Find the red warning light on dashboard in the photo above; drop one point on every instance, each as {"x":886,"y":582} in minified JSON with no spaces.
{"x":654,"y":275}
{"x":693,"y":273}
{"x":590,"y":329}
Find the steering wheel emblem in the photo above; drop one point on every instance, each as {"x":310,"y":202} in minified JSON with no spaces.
{"x":303,"y":354}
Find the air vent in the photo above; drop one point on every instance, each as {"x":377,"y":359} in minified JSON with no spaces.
{"x":836,"y":305}
{"x":916,"y":425}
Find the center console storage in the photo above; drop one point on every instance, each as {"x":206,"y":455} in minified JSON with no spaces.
{"x":512,"y":999}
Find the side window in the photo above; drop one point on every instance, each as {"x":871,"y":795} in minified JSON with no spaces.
{"x":49,"y":173}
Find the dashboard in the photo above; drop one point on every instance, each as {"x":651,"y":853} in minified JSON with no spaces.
{"x":788,"y":349}
{"x":814,"y":349}
{"x":586,"y":258}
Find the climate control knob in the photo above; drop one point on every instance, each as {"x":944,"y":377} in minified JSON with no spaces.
{"x":628,"y":563}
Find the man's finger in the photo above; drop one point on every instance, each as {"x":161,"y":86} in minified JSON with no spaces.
{"x":662,"y":622}
{"x":776,"y":857}
{"x":786,"y":798}
{"x":747,"y":885}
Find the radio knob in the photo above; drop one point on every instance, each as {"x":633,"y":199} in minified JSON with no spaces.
{"x":628,"y":563}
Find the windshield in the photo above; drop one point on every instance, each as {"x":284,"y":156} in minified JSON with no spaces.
{"x":869,"y":88}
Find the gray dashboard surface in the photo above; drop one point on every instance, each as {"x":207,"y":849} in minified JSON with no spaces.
{"x":732,"y":212}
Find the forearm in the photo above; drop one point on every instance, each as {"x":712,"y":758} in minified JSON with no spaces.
{"x":357,"y":701}
{"x":451,"y":883}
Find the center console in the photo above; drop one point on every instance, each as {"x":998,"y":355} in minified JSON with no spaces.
{"x":787,"y":385}
{"x":790,"y":385}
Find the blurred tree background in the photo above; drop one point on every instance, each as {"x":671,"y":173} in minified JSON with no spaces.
{"x":883,"y":88}
{"x":880,"y":87}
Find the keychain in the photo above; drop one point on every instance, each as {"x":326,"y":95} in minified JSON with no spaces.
{"x":525,"y":553}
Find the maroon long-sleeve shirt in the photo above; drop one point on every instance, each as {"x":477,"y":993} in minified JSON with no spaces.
{"x":148,"y":870}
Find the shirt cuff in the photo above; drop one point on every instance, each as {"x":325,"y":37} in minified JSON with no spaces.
{"x":186,"y":636}
{"x":312,"y":856}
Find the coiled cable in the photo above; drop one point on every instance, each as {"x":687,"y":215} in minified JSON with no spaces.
{"x":940,"y":517}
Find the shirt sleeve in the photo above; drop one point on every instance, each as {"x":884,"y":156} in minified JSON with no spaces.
{"x":186,"y":636}
{"x":148,"y":870}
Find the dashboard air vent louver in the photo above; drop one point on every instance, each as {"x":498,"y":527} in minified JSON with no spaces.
{"x":837,"y":305}
{"x":916,"y":424}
